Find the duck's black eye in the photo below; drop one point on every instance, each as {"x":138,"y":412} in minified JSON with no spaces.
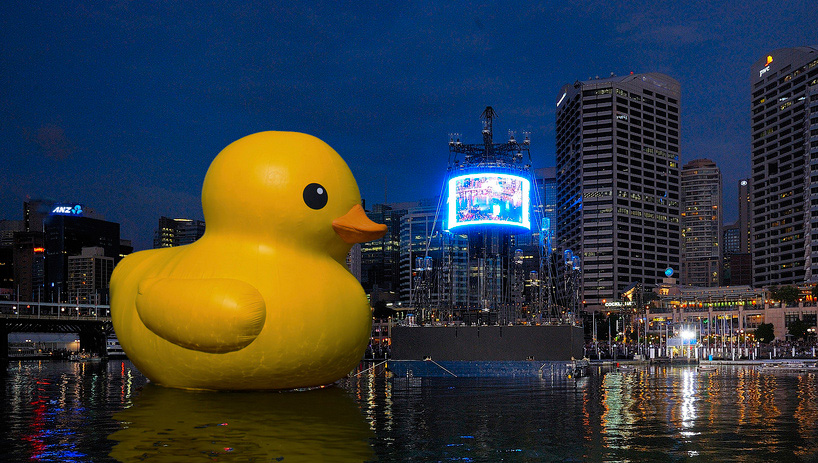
{"x":315,"y":196}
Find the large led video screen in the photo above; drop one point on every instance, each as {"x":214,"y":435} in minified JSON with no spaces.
{"x":489,"y":199}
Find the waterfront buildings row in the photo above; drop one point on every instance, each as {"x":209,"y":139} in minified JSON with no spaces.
{"x":67,"y":252}
{"x":619,"y":198}
{"x":773,"y":243}
{"x":722,"y":312}
{"x":59,"y":251}
{"x":630,"y":209}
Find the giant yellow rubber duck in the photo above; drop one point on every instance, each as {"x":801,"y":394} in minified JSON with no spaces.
{"x":264,"y":299}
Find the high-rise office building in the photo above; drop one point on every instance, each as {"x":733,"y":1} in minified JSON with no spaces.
{"x":433,"y":263}
{"x":731,"y":239}
{"x":29,"y":265}
{"x":744,"y":203}
{"x":37,"y":211}
{"x":7,"y":286}
{"x":89,"y":276}
{"x":67,"y":231}
{"x":548,"y":197}
{"x":736,"y":243}
{"x":177,"y":232}
{"x":618,"y":180}
{"x":544,"y":199}
{"x":380,"y":259}
{"x":784,"y":237}
{"x":701,"y":224}
{"x":8,"y":228}
{"x":731,"y":243}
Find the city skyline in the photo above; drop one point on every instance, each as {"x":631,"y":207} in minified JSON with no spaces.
{"x":122,"y":107}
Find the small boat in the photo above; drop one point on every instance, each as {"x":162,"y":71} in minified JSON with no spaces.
{"x":84,"y":357}
{"x":788,"y":367}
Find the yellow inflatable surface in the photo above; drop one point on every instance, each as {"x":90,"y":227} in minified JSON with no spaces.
{"x":264,"y":299}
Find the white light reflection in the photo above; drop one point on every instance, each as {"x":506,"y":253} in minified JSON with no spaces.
{"x":688,"y":411}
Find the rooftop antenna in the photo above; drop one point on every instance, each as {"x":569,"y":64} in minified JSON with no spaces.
{"x":488,"y":133}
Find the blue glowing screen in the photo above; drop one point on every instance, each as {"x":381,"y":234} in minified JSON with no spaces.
{"x":491,"y":198}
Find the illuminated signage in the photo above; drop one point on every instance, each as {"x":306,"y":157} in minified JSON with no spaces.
{"x":766,"y":66}
{"x":744,"y":183}
{"x":39,"y":250}
{"x":75,"y":209}
{"x":620,"y":304}
{"x":562,"y":98}
{"x":668,"y":272}
{"x":489,"y":199}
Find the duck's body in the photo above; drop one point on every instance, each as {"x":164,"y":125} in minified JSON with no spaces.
{"x":250,"y":306}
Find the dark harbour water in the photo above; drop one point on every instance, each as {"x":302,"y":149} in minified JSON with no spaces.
{"x":107,"y":412}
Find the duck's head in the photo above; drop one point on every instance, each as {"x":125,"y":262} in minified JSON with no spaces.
{"x":286,"y":187}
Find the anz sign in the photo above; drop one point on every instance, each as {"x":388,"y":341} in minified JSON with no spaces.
{"x":75,"y":210}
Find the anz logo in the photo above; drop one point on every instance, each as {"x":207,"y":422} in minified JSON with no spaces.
{"x":68,"y":210}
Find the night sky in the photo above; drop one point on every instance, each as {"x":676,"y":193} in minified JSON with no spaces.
{"x":121,"y":106}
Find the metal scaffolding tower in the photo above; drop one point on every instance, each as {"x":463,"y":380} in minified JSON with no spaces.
{"x":501,"y":290}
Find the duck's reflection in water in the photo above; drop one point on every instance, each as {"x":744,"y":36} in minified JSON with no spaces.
{"x":170,"y":425}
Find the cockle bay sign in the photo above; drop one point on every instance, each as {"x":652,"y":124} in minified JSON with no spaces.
{"x":620,"y":304}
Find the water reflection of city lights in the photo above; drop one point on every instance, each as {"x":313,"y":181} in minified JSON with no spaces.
{"x":688,"y":412}
{"x":616,"y":417}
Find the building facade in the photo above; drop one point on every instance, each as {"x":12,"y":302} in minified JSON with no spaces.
{"x":65,"y":235}
{"x":177,"y":232}
{"x":726,"y":314}
{"x":433,"y":263}
{"x":8,"y":228}
{"x":737,"y":262}
{"x":701,"y":224}
{"x":784,"y":105}
{"x":618,"y":180}
{"x":29,"y":265}
{"x":544,"y":200}
{"x":89,"y":276}
{"x":380,"y":259}
{"x":744,"y":211}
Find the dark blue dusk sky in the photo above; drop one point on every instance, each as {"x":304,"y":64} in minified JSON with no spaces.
{"x":121,"y":106}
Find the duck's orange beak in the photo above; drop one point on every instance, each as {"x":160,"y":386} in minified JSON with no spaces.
{"x":355,"y":227}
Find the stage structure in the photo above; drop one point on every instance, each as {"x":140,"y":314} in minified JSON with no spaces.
{"x":491,"y":199}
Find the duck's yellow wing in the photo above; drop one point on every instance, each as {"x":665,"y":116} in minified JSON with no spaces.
{"x":210,"y":315}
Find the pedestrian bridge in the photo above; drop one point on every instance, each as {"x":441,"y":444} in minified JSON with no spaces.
{"x":91,"y":322}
